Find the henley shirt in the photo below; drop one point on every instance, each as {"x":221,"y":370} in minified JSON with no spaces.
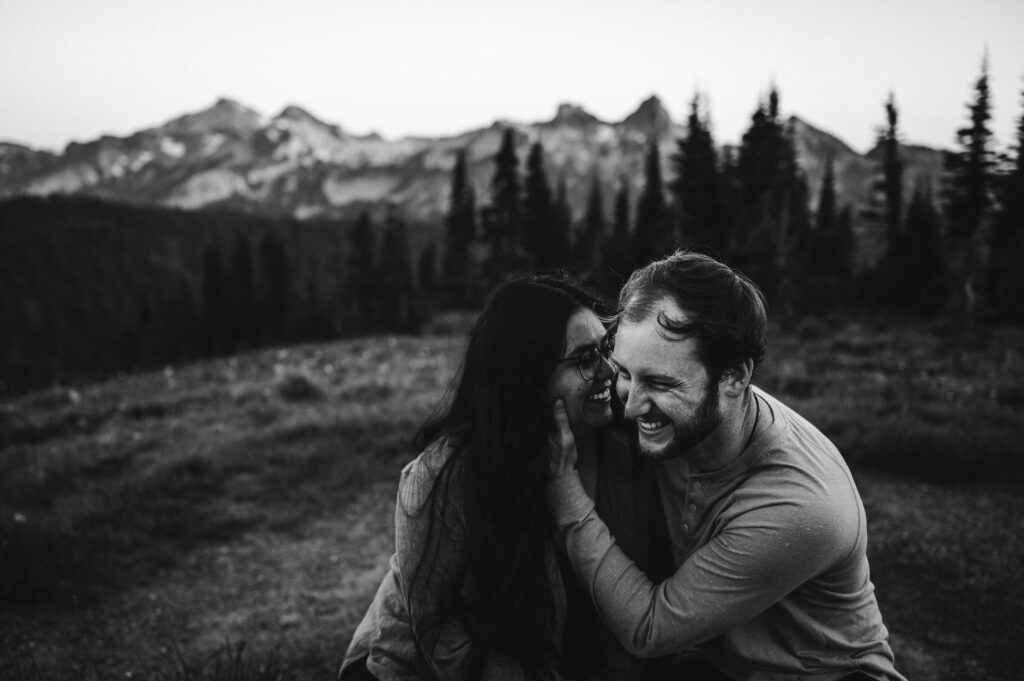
{"x":772,"y":579}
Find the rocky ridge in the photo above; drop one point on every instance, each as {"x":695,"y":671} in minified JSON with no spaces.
{"x":295,"y":164}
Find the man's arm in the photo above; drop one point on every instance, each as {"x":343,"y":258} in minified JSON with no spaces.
{"x":753,"y":562}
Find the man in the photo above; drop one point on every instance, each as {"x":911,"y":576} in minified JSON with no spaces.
{"x":766,"y":528}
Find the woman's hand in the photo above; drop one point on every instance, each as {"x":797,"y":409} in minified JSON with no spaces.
{"x":562,"y":444}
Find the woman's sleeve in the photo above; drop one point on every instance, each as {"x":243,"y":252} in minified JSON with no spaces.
{"x":435,"y":536}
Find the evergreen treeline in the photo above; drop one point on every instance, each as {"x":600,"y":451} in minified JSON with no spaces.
{"x":89,"y":288}
{"x":954,"y":244}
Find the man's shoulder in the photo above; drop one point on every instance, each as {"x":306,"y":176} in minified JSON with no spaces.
{"x":798,"y":467}
{"x":783,"y":429}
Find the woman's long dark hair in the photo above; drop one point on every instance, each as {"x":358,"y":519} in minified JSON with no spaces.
{"x":497,"y":425}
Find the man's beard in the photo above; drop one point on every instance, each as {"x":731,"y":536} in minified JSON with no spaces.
{"x":690,"y":433}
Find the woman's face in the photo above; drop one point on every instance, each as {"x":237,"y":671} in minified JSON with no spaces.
{"x":587,"y":403}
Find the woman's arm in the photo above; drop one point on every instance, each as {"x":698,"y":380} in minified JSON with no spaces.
{"x":430,"y":543}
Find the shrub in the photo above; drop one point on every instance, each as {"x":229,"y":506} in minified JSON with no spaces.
{"x":937,"y":452}
{"x":297,"y":386}
{"x":43,"y":562}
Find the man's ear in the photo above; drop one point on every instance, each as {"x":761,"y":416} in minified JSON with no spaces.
{"x":736,"y":378}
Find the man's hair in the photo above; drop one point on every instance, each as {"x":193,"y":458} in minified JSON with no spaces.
{"x":725,"y":311}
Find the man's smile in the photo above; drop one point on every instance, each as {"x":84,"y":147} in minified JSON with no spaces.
{"x":651,"y":426}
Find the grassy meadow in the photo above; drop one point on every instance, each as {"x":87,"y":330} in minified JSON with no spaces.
{"x":232,"y":518}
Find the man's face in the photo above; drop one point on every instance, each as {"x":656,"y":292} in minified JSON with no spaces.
{"x":665,"y":386}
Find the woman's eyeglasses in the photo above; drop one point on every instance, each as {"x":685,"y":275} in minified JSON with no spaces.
{"x":589,"y":361}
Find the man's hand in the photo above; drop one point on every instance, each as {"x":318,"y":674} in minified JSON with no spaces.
{"x":562,"y":444}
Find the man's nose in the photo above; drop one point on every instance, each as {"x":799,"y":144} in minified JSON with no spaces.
{"x":632,"y":399}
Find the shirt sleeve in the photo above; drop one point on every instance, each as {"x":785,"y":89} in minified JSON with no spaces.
{"x":435,"y":536}
{"x":753,"y":561}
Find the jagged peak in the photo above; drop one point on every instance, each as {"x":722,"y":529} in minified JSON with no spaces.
{"x":807,"y":131}
{"x":573,"y":114}
{"x":650,"y":116}
{"x":297,"y":113}
{"x":225,"y":114}
{"x":292,"y":114}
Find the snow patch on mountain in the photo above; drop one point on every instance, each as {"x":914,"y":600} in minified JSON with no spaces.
{"x":172,"y":147}
{"x":65,"y":181}
{"x":142,"y":160}
{"x":344,"y":190}
{"x":205,"y":188}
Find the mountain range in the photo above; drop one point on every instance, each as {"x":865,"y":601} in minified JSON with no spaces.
{"x":295,"y":164}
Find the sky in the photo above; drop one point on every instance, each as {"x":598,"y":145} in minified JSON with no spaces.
{"x":72,"y":70}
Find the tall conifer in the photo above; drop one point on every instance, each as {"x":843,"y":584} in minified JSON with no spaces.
{"x":1006,"y":273}
{"x":561,"y":239}
{"x":892,"y":184}
{"x":968,"y":195}
{"x":769,"y":187}
{"x":396,"y":302}
{"x":460,"y":231}
{"x":274,"y":290}
{"x":538,"y":235}
{"x":240,"y":292}
{"x":590,"y":244}
{"x":922,"y":286}
{"x":652,"y":236}
{"x":618,"y":260}
{"x":503,"y":218}
{"x":361,"y":271}
{"x":214,"y":303}
{"x":696,"y":186}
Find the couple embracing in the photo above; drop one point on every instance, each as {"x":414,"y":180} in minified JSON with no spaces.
{"x":620,"y":502}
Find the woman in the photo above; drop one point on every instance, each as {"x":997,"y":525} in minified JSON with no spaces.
{"x":473,"y":590}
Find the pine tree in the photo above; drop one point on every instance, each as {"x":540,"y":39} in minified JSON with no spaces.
{"x":397,"y":308}
{"x":460,"y":231}
{"x":923,"y":280}
{"x":696,"y":187}
{"x":361,"y":269}
{"x":503,"y":218}
{"x":892,"y":185}
{"x":274,"y":291}
{"x":214,"y":305}
{"x":618,"y":261}
{"x":427,"y":270}
{"x":314,"y":323}
{"x":1006,"y":272}
{"x":823,"y":257}
{"x":538,"y":237}
{"x":561,"y":239}
{"x":591,"y":242}
{"x":968,"y":196}
{"x":652,"y":237}
{"x":767,"y":175}
{"x":813,"y":255}
{"x":240,"y":294}
{"x":730,"y":204}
